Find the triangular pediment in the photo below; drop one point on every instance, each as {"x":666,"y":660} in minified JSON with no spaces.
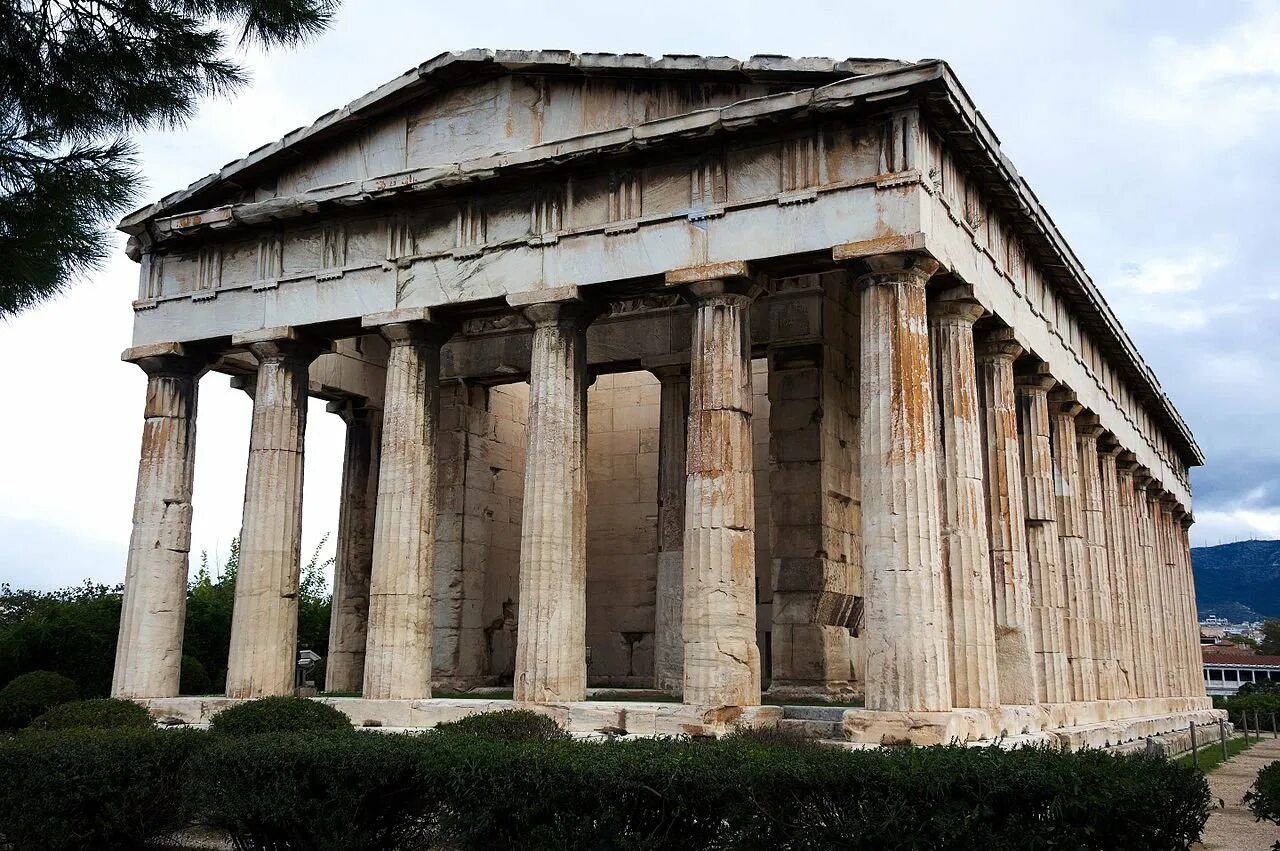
{"x":460,"y":106}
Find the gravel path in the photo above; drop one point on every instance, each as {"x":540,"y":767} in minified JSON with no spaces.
{"x":1231,"y":827}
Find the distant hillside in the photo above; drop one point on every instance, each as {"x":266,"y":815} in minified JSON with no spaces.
{"x":1239,"y":581}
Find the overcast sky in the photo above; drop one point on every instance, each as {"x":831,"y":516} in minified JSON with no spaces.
{"x":1150,"y":131}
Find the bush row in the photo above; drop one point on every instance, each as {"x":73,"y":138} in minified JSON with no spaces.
{"x":1263,"y":797}
{"x":463,"y":788}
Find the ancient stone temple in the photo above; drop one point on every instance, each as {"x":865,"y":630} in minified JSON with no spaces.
{"x":723,"y":378}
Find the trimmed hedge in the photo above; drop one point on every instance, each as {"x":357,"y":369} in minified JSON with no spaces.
{"x":104,"y":713}
{"x":93,"y":789}
{"x":368,"y":791}
{"x":30,"y":695}
{"x":279,"y":715}
{"x":467,"y":792}
{"x":506,"y":725}
{"x":1263,"y":797}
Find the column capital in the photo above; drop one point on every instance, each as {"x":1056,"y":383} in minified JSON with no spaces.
{"x":899,"y":268}
{"x":284,"y":342}
{"x":956,"y":304}
{"x":1034,"y":378}
{"x":1187,"y":520}
{"x":710,"y":280}
{"x":1064,"y":402}
{"x":553,"y":306}
{"x":176,"y":359}
{"x":408,"y":326}
{"x":997,"y":346}
{"x":1088,"y":428}
{"x":351,"y":408}
{"x":1109,"y":444}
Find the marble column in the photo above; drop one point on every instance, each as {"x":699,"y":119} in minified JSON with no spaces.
{"x":1118,"y":562}
{"x":904,"y":588}
{"x":1178,"y":613}
{"x":398,"y":657}
{"x":1044,"y":553}
{"x":264,"y":623}
{"x":673,"y":416}
{"x":966,"y":556}
{"x":1075,"y":556}
{"x":1147,"y":585}
{"x":1160,"y":592}
{"x":1184,"y":553}
{"x":353,"y":564}
{"x":551,"y":649}
{"x":1006,"y":518}
{"x":149,"y":649}
{"x":1101,"y":611}
{"x":1144,"y":640}
{"x":721,"y":657}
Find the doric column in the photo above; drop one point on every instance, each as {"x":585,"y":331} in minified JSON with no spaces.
{"x":1075,"y":556}
{"x":673,"y":417}
{"x":551,"y":649}
{"x":1184,"y":553}
{"x":1178,"y":613}
{"x":721,"y":658}
{"x":349,"y":621}
{"x":264,"y":624}
{"x":1044,"y":553}
{"x":965,"y":554}
{"x":1100,"y":596}
{"x":398,"y":659}
{"x":907,"y":667}
{"x":1144,"y":631}
{"x":1118,"y":561}
{"x":1006,"y":518}
{"x":1160,"y":592}
{"x":1147,"y":584}
{"x":149,"y":650}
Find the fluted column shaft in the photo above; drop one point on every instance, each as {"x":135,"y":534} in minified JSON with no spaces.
{"x":1006,"y":519}
{"x":353,"y":565}
{"x":1184,"y":553}
{"x":1100,"y":597}
{"x":1044,"y":554}
{"x":264,"y":624}
{"x":1118,"y":561}
{"x":907,"y":665}
{"x":721,"y":658}
{"x":398,"y":658}
{"x":1160,"y":592}
{"x":965,"y":551}
{"x":1148,"y":601}
{"x":1144,"y":640}
{"x":149,"y":649}
{"x":1178,"y":612}
{"x":673,"y":416}
{"x":551,"y":663}
{"x":1075,"y":554}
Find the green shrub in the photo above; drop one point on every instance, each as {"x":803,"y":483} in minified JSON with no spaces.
{"x":771,"y":737}
{"x":279,"y":715}
{"x":374,"y":791}
{"x":30,"y":695}
{"x":322,"y":791}
{"x":194,"y":679}
{"x":93,"y":789}
{"x":506,"y":725}
{"x":104,"y":713}
{"x":1263,"y":797}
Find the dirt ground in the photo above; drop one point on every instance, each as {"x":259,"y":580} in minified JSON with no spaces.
{"x":1231,"y":826}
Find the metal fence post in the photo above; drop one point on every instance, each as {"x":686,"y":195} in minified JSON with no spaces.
{"x":1222,"y":736}
{"x":1257,"y":727}
{"x":1274,"y":734}
{"x":1195,"y":753}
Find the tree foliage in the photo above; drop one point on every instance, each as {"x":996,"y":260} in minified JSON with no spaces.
{"x":1270,"y":643}
{"x":76,"y":78}
{"x":73,"y":631}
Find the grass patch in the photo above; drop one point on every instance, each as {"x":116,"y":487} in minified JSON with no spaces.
{"x":1211,"y":754}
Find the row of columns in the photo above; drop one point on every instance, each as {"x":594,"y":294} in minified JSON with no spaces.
{"x":1012,"y":552}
